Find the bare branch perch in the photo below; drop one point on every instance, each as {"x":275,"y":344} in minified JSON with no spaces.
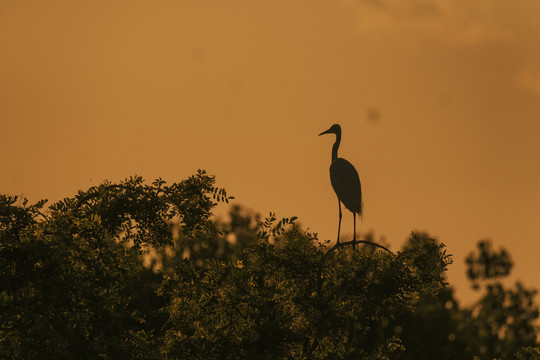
{"x":353,"y":243}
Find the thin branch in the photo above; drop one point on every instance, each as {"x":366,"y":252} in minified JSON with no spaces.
{"x":347,"y":243}
{"x":339,"y":246}
{"x":45,"y":217}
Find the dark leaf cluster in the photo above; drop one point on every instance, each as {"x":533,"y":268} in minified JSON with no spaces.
{"x":132,"y":270}
{"x":487,"y":263}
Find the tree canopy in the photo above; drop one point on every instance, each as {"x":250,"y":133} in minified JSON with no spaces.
{"x":144,"y":271}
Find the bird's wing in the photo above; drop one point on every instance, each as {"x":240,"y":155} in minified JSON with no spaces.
{"x":346,"y":184}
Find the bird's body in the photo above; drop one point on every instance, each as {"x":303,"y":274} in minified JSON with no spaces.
{"x":346,"y":184}
{"x":345,"y":181}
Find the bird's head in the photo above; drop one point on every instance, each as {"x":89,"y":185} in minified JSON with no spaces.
{"x":334,"y":129}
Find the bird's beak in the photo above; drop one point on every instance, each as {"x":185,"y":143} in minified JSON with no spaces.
{"x":325,"y":132}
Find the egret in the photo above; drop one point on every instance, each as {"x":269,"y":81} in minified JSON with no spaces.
{"x":345,"y":181}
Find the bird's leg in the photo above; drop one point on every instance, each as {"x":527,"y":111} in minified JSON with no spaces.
{"x":354,"y":234}
{"x":339,"y":224}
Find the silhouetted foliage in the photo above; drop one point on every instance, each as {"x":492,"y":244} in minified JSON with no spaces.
{"x":496,"y":327}
{"x":73,"y":285}
{"x":268,"y":304}
{"x":487,"y":264}
{"x":528,"y":353}
{"x":138,"y":271}
{"x":502,"y":322}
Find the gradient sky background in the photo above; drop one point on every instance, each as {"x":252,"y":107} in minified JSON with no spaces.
{"x":439,"y":102}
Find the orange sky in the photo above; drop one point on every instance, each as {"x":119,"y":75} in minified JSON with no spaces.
{"x":100,"y":90}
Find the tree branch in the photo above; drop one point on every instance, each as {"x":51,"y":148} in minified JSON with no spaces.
{"x":347,"y":243}
{"x":339,"y":246}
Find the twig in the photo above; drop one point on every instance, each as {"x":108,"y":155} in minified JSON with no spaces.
{"x":352,"y":242}
{"x":338,"y":246}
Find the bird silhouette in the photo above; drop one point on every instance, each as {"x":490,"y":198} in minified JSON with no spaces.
{"x":345,"y":181}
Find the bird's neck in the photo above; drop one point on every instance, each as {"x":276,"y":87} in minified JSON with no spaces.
{"x":336,"y":147}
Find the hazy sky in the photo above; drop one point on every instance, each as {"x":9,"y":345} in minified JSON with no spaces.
{"x":439,"y":102}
